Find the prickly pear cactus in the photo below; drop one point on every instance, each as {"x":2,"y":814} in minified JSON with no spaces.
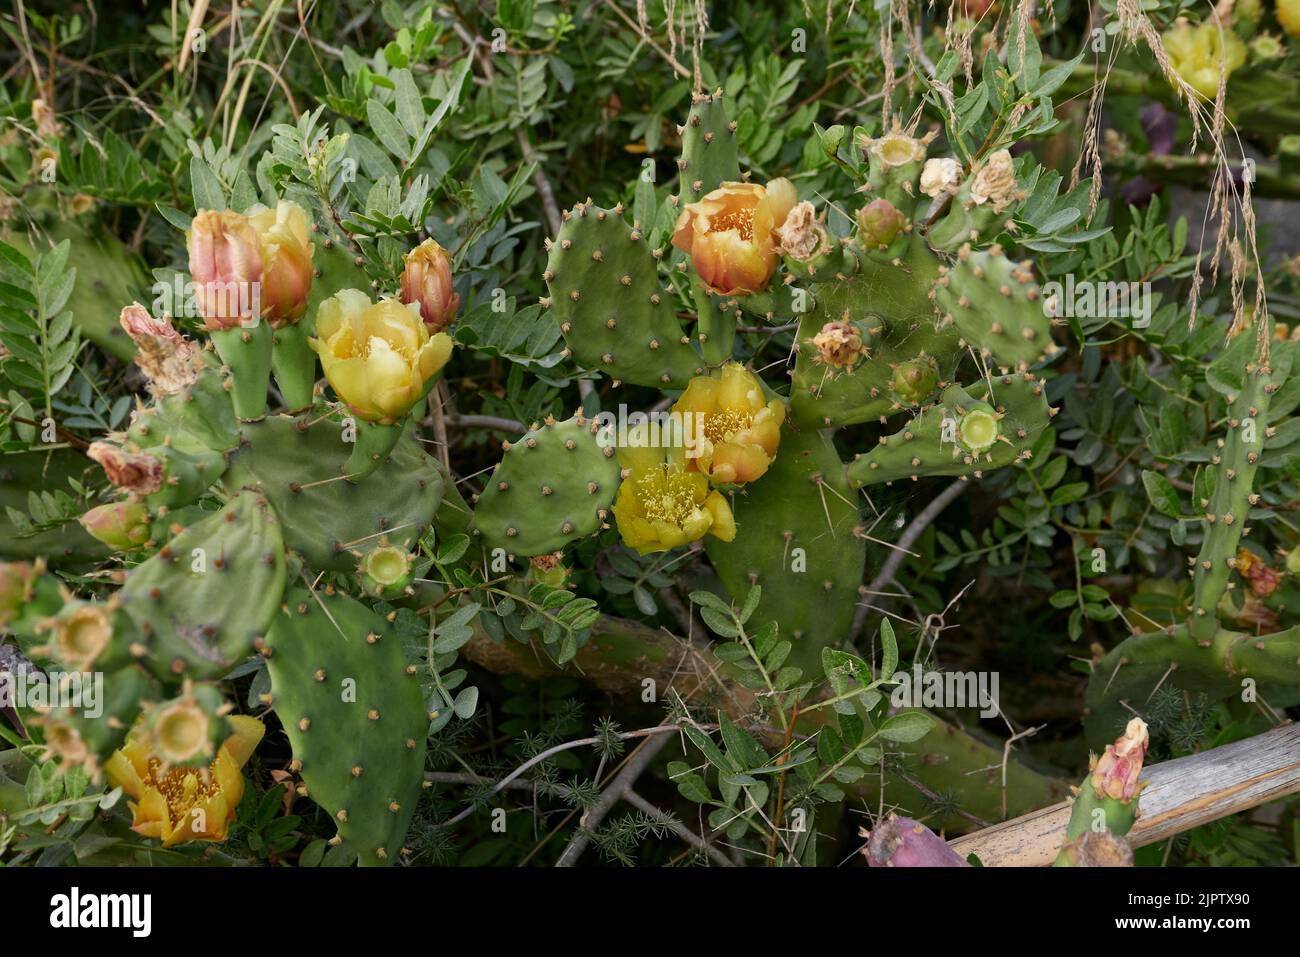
{"x":553,"y":486}
{"x":352,"y":707}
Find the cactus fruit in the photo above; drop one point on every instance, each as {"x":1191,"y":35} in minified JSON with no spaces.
{"x":200,"y":603}
{"x":613,"y":308}
{"x":553,"y":486}
{"x":903,"y":842}
{"x":354,"y":713}
{"x":297,"y":464}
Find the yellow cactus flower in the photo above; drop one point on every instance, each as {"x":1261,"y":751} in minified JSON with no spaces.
{"x":730,"y":234}
{"x":661,"y":505}
{"x":379,"y":357}
{"x":742,"y":429}
{"x":1288,"y":14}
{"x":1197,"y":51}
{"x":181,"y":804}
{"x":287,"y":250}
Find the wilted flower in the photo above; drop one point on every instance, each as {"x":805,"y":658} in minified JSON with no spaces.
{"x":742,"y":429}
{"x":839,"y":344}
{"x":119,"y":525}
{"x":47,"y":125}
{"x":379,"y":357}
{"x":226,"y":268}
{"x":136,"y":472}
{"x":1115,"y":774}
{"x":179,"y":804}
{"x":1199,"y":53}
{"x":995,"y":181}
{"x":286,"y":248}
{"x":426,"y":281}
{"x":940,"y":175}
{"x":1263,"y":580}
{"x":730,"y":234}
{"x":167,"y":359}
{"x":801,"y":237}
{"x":661,"y":505}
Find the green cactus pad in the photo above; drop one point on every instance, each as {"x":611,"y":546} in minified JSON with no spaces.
{"x":203,"y":599}
{"x":553,"y":486}
{"x":354,"y":715}
{"x":890,"y":298}
{"x":1249,"y":388}
{"x":963,"y":434}
{"x":203,"y":413}
{"x":189,"y":469}
{"x":997,"y":306}
{"x":615,"y":313}
{"x":299,"y":467}
{"x":709,"y":149}
{"x":796,"y":538}
{"x":1228,"y":664}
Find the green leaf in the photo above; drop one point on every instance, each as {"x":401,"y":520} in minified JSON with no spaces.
{"x":907,"y":726}
{"x":1161,"y":492}
{"x":205,"y":186}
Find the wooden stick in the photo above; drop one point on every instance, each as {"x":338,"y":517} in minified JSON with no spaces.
{"x":1178,"y":795}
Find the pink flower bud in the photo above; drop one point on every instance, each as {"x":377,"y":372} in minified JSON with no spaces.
{"x":166,"y":358}
{"x":426,"y":281}
{"x":226,"y":267}
{"x":1116,"y":772}
{"x":132,"y":472}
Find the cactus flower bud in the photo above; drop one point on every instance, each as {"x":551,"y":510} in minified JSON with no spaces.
{"x":1199,"y":53}
{"x":940,"y":175}
{"x":1263,"y":579}
{"x":880,"y":222}
{"x":742,"y":428}
{"x":119,"y":525}
{"x":915,"y":379}
{"x":660,"y":504}
{"x":730,"y":234}
{"x":379,"y":357}
{"x":1115,"y":774}
{"x":286,"y":250}
{"x":135,"y":472}
{"x":165,"y":797}
{"x":226,"y":268}
{"x":426,"y":282}
{"x":839,"y":344}
{"x":168,"y":360}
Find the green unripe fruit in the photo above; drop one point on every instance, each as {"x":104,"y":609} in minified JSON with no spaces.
{"x":915,"y":379}
{"x":119,"y":525}
{"x":880,"y":223}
